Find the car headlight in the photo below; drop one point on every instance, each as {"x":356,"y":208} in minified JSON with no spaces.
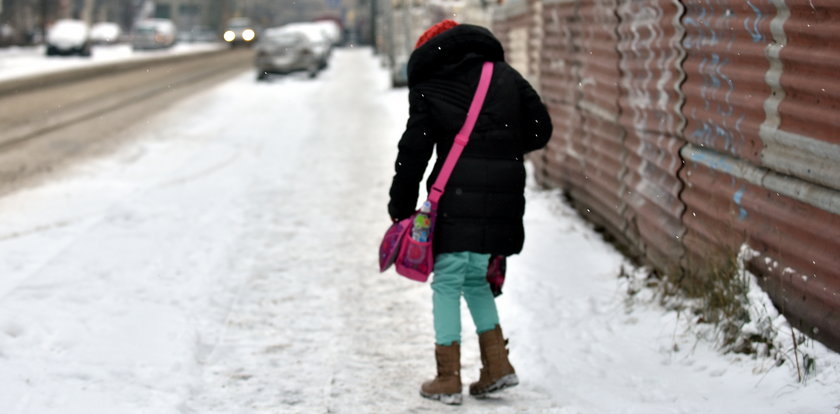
{"x":229,"y":36}
{"x":248,"y":35}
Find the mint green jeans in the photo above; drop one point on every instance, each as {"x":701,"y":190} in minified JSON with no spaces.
{"x":456,"y":274}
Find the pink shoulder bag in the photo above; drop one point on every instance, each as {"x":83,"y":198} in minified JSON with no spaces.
{"x":408,"y":243}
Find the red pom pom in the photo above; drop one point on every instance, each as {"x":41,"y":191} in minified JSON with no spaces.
{"x":434,"y":31}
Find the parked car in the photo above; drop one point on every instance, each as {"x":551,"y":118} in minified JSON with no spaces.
{"x":105,"y":33}
{"x":282,"y":51}
{"x":153,"y":34}
{"x":332,"y":31}
{"x":240,"y":31}
{"x":316,"y":36}
{"x":8,"y":35}
{"x":68,"y":37}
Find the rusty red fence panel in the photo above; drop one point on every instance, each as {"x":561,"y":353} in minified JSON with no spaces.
{"x":599,"y":196}
{"x":561,"y":164}
{"x":800,"y":132}
{"x":724,"y":93}
{"x":649,"y":45}
{"x":755,"y":177}
{"x":695,"y":128}
{"x":793,"y":245}
{"x":725,"y":66}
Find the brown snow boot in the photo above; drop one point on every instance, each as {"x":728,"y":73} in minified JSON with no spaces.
{"x":446,"y":387}
{"x":496,"y":372}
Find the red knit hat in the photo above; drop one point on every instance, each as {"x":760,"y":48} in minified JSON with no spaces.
{"x":435,"y":30}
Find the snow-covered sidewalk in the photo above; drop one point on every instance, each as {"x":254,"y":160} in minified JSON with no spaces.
{"x":226,"y":263}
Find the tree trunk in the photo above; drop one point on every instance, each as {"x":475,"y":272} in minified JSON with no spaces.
{"x":87,"y":12}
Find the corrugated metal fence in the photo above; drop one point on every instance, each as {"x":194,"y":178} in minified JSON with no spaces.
{"x":689,"y":128}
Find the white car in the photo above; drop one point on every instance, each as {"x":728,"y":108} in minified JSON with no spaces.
{"x":105,"y":33}
{"x":320,"y":42}
{"x":68,"y":37}
{"x":331,"y":30}
{"x":280,"y":51}
{"x":154,"y":34}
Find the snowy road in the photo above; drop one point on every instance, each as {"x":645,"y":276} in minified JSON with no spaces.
{"x":225,"y":263}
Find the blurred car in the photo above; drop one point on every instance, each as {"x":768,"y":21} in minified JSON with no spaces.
{"x":8,"y":35}
{"x":317,"y":37}
{"x":282,"y":51}
{"x":105,"y":33}
{"x":332,"y":30}
{"x":153,"y":34}
{"x":240,"y":32}
{"x":68,"y":37}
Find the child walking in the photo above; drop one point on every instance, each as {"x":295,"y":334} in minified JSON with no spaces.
{"x":480,"y":213}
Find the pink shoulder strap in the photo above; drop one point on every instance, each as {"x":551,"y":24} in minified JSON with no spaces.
{"x":463,"y":135}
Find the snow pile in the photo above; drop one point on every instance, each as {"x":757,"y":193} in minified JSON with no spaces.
{"x":763,"y":334}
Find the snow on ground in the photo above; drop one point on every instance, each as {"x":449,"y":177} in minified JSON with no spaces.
{"x":226,"y":263}
{"x":16,"y":62}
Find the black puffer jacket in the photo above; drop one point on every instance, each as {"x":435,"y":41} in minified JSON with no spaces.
{"x":483,"y":203}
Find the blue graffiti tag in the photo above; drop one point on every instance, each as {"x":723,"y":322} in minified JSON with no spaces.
{"x":703,"y":133}
{"x":714,"y":162}
{"x":737,"y":197}
{"x":723,"y":133}
{"x":714,"y":70}
{"x":754,"y":32}
{"x":730,"y":110}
